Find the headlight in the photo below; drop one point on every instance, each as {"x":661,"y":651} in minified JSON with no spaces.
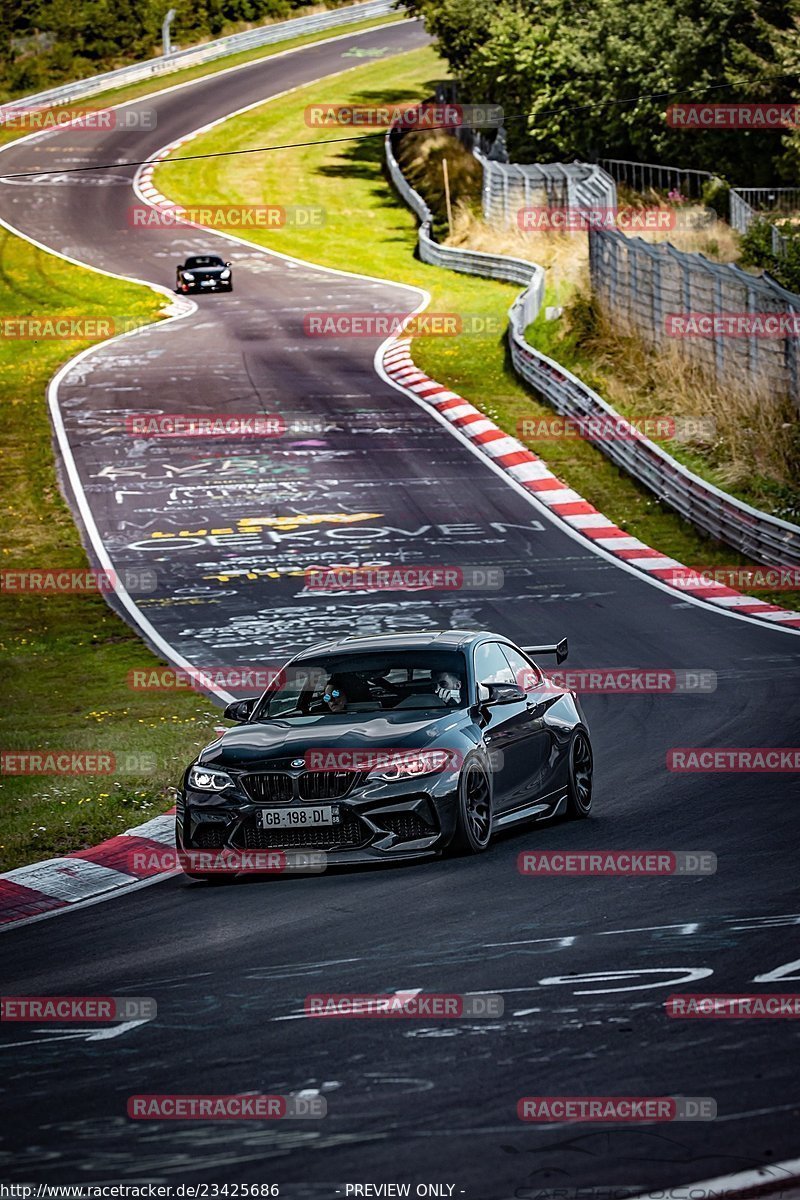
{"x":412,"y":764}
{"x":187,"y":275}
{"x":208,"y":779}
{"x":225,"y":274}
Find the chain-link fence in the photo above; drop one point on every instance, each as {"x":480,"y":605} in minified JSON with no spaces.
{"x":761,"y":536}
{"x":742,"y":328}
{"x":509,"y":188}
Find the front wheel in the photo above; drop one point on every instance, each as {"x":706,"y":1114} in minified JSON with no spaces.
{"x":474,"y":823}
{"x":581,"y":768}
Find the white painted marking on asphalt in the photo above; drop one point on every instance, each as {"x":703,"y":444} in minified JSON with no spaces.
{"x":687,"y":928}
{"x":784,"y":1172}
{"x":678,"y":977}
{"x":115,"y":1031}
{"x":784,"y":972}
{"x":77,"y":1035}
{"x":402,"y":995}
{"x":563,"y":942}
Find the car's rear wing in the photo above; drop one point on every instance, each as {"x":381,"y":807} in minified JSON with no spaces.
{"x":560,"y":649}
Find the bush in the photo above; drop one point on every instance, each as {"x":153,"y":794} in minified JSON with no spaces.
{"x":757,"y":252}
{"x":716,"y":194}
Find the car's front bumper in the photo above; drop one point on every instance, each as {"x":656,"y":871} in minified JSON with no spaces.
{"x":215,"y":285}
{"x":379,"y":821}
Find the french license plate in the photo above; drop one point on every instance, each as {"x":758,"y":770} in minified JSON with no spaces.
{"x":206,"y":283}
{"x":298,"y":818}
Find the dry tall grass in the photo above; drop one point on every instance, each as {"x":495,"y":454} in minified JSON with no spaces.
{"x":753,"y":433}
{"x":565,"y":254}
{"x":748,"y":437}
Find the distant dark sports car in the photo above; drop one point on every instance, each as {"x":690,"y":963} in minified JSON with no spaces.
{"x":392,"y":747}
{"x":204,"y":273}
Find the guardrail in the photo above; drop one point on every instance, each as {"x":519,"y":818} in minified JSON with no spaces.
{"x":471,"y":262}
{"x":759,"y":535}
{"x":265,"y":35}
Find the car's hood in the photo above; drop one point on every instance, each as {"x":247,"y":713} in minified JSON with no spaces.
{"x":278,"y":742}
{"x":204,"y":270}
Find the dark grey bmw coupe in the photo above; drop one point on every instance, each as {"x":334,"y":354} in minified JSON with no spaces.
{"x":392,"y":747}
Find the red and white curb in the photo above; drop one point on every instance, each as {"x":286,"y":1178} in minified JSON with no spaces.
{"x":150,"y":192}
{"x":56,"y":883}
{"x":535,"y":476}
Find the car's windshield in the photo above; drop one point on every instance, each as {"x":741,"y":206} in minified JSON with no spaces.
{"x":353,"y":684}
{"x":204,"y":260}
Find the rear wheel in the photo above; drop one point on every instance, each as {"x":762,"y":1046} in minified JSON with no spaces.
{"x":581,"y":768}
{"x":474,"y":824}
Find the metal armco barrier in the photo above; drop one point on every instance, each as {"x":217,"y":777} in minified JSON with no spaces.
{"x":471,"y":262}
{"x":165,"y":64}
{"x":759,"y":535}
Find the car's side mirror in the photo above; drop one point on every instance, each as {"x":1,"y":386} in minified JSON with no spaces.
{"x":227,"y":264}
{"x":500,"y":693}
{"x":240,"y":710}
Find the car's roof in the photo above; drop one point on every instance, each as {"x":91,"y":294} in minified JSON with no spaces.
{"x":427,"y":639}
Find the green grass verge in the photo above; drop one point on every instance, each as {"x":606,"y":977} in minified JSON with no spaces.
{"x":67,"y":658}
{"x":146,"y":87}
{"x":367,"y":229}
